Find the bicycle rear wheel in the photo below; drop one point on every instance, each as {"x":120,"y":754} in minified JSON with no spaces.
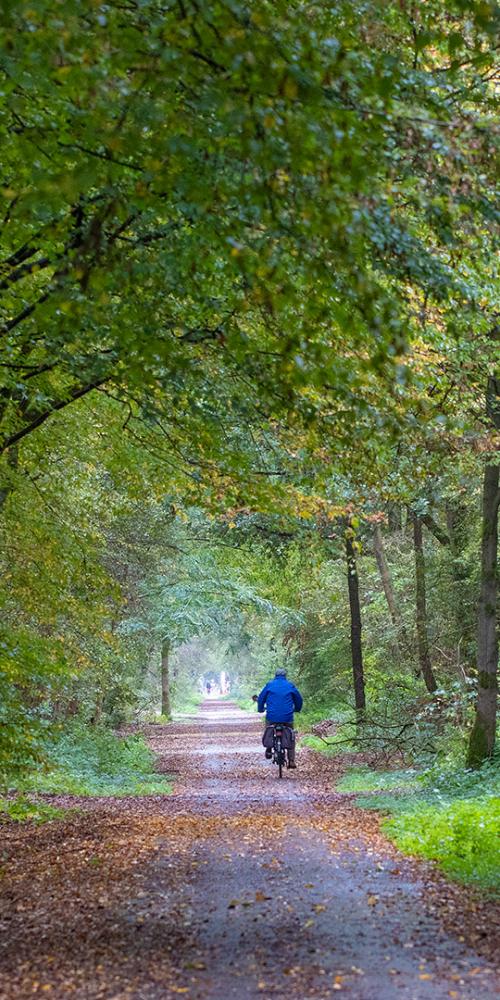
{"x":279,"y":757}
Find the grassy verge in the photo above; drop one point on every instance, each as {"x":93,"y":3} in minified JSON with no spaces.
{"x":451,"y":816}
{"x":245,"y":702}
{"x":315,"y":743}
{"x":83,"y":760}
{"x":21,"y":809}
{"x":188,"y":703}
{"x":337,"y":739}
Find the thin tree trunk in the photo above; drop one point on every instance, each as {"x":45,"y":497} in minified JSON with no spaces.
{"x":97,"y":716}
{"x":165,"y":678}
{"x":482,"y":738}
{"x":394,"y":517}
{"x":6,"y":489}
{"x":435,"y":529}
{"x":421,"y":603}
{"x":355,"y":610}
{"x":385,"y":576}
{"x":463,"y":608}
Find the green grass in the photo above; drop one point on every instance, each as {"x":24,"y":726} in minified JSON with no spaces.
{"x":314,"y":743}
{"x":464,"y":838}
{"x":187,"y":702}
{"x":449,"y":815}
{"x":363,"y":779}
{"x":309,"y":716}
{"x":84,"y":760}
{"x":21,"y":809}
{"x":245,"y":702}
{"x":337,"y":740}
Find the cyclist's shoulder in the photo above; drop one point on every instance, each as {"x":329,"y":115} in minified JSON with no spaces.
{"x":289,"y":687}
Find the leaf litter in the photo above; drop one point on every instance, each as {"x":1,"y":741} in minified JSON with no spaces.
{"x":193,"y":894}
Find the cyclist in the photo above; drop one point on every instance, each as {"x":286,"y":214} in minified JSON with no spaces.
{"x":280,"y":699}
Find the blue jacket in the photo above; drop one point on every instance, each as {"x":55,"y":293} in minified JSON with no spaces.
{"x":281,"y":699}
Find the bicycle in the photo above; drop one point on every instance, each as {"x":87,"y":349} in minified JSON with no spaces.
{"x":279,"y":752}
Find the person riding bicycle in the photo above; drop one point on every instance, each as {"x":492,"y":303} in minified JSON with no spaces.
{"x":280,"y":699}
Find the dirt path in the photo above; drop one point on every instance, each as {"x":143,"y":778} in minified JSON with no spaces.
{"x":237,"y":886}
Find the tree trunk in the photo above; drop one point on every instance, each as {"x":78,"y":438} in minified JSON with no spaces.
{"x":421,"y":602}
{"x":456,"y":516}
{"x":394,"y":517}
{"x":482,"y":738}
{"x":165,"y":678}
{"x":435,"y":529}
{"x":385,"y":576}
{"x":356,"y":647}
{"x":463,"y":609}
{"x":6,"y":489}
{"x":97,"y":716}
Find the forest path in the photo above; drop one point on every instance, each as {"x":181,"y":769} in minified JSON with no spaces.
{"x":237,"y":886}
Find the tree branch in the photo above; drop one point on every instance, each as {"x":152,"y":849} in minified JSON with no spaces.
{"x":101,"y":156}
{"x":435,"y":529}
{"x":23,"y":270}
{"x":25,"y":313}
{"x":77,"y":393}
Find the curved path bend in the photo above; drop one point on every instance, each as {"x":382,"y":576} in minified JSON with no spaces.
{"x":237,"y":886}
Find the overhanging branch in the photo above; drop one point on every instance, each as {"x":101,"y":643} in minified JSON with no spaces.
{"x":40,"y":419}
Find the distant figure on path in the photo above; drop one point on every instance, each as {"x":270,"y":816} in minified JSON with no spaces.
{"x":280,"y":699}
{"x":209,"y":687}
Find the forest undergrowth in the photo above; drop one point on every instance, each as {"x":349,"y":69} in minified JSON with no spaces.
{"x":82,"y":760}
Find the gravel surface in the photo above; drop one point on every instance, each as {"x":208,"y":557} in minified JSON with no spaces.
{"x":238,"y":885}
